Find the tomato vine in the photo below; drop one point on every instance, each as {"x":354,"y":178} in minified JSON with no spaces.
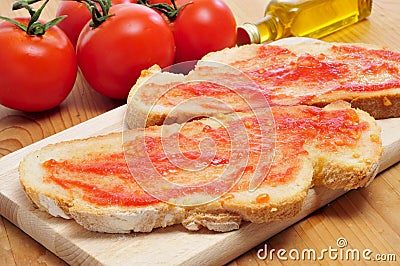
{"x":98,"y":15}
{"x":34,"y":27}
{"x":171,"y":12}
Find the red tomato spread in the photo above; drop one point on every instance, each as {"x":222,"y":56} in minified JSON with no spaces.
{"x":281,"y":77}
{"x":284,"y":75}
{"x":106,"y":179}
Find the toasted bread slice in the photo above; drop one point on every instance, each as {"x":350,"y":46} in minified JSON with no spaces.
{"x":318,"y":73}
{"x":307,"y":73}
{"x":213,"y":172}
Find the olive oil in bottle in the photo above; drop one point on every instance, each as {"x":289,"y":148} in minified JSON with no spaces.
{"x":303,"y":18}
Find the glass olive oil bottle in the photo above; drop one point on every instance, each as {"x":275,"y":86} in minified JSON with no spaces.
{"x":303,"y":18}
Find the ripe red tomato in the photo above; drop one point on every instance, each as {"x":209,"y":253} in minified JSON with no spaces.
{"x":202,"y":26}
{"x":77,"y":16}
{"x":37,"y":72}
{"x":112,"y":55}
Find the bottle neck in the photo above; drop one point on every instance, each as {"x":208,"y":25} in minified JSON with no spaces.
{"x":265,"y":30}
{"x":248,"y":34}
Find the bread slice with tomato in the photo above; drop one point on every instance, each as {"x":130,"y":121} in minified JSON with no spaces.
{"x":318,"y":73}
{"x":294,"y":71}
{"x":213,"y":172}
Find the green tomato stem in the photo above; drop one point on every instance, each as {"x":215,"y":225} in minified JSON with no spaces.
{"x":34,"y":27}
{"x":171,"y":12}
{"x":98,"y":17}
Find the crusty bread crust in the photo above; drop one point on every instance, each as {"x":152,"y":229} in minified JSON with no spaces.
{"x":349,"y":170}
{"x":138,"y":114}
{"x":381,"y":105}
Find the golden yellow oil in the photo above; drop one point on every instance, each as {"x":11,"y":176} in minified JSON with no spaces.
{"x":306,"y":18}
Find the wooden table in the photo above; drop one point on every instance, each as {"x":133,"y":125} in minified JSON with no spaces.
{"x":367,"y":218}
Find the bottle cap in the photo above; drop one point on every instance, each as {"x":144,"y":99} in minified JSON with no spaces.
{"x":247,"y":34}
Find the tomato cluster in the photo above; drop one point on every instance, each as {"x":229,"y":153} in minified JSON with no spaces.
{"x":139,"y":34}
{"x":111,"y":41}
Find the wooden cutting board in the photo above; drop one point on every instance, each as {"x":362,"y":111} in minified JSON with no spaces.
{"x":169,"y":246}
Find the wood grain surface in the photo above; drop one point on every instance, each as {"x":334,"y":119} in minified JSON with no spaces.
{"x":366,"y":218}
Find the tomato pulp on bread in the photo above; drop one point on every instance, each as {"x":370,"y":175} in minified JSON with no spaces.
{"x":108,"y":179}
{"x":290,"y":78}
